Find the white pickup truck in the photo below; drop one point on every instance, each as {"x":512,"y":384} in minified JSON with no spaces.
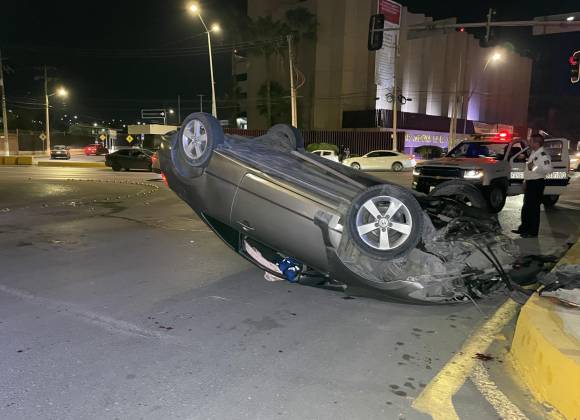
{"x":496,"y":166}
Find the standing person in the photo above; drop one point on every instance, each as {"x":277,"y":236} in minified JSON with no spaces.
{"x":537,"y":167}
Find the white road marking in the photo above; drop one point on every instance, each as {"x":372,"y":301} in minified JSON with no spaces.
{"x":103,"y":321}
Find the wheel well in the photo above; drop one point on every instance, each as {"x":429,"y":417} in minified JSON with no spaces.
{"x":501,"y":182}
{"x":394,"y":163}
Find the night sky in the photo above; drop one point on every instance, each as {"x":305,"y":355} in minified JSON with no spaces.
{"x":97,"y":49}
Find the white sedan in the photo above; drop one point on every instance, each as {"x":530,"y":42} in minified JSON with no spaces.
{"x":381,"y":160}
{"x":327,"y":154}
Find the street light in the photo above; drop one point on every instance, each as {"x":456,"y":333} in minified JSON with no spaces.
{"x":194,"y":8}
{"x":61,"y":92}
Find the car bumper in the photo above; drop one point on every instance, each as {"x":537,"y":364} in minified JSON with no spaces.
{"x":421,"y":182}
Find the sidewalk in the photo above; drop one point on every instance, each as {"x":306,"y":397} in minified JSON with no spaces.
{"x":546,"y":349}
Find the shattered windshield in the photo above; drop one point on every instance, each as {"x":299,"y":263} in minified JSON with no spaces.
{"x":478,"y":149}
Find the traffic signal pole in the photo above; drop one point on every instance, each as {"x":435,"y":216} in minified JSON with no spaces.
{"x":4,"y":114}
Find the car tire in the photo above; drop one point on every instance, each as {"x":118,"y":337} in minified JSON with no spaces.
{"x":549,"y":201}
{"x":461,"y":191}
{"x":355,"y":166}
{"x":496,"y":196}
{"x":192,"y":151}
{"x":397,"y":167}
{"x":290,"y":134}
{"x":116,"y":167}
{"x":127,"y":169}
{"x":372,"y":228}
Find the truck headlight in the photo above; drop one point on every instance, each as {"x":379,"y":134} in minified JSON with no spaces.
{"x":473,"y":174}
{"x":416,"y":171}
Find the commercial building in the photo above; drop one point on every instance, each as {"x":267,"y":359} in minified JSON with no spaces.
{"x":439,"y":73}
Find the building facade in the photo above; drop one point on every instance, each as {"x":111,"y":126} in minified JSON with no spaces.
{"x":440,"y":73}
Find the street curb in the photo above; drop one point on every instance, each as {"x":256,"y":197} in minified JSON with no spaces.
{"x":545,"y":356}
{"x":67,"y":164}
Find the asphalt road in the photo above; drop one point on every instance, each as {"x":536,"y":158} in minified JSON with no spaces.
{"x":117,"y":303}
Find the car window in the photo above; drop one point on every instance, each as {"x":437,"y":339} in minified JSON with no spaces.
{"x":123,"y":152}
{"x":479,"y":149}
{"x":317,"y":152}
{"x":136,"y":153}
{"x":376,"y":154}
{"x":554,"y":149}
{"x":326,"y":153}
{"x":390,"y":154}
{"x":516,"y":148}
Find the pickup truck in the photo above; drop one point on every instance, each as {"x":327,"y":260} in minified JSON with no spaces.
{"x":496,"y":166}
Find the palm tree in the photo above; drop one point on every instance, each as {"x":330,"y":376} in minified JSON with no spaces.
{"x":268,"y":38}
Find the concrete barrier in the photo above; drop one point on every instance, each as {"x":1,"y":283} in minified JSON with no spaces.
{"x":69,"y":164}
{"x":546,"y":349}
{"x":16,"y":160}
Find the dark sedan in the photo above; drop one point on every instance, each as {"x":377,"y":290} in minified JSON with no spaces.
{"x":60,"y":152}
{"x":338,"y":228}
{"x":129,"y":159}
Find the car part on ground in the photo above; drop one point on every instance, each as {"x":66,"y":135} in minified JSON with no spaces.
{"x":349,"y":230}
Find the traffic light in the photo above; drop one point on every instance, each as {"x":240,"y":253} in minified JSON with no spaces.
{"x":375,"y":41}
{"x":575,"y":67}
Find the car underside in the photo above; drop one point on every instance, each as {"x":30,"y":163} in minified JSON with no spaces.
{"x":347,"y":230}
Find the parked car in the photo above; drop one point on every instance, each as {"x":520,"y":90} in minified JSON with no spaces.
{"x":155,"y":163}
{"x":495,"y":165}
{"x":381,"y":160}
{"x":269,"y":200}
{"x":60,"y":152}
{"x":130,"y":159}
{"x":327,"y":154}
{"x":95,"y":149}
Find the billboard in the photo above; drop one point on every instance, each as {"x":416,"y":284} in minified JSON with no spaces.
{"x":385,"y":57}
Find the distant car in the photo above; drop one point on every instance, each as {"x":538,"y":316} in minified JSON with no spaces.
{"x":155,"y":163}
{"x":381,"y":160}
{"x":95,"y":149}
{"x":327,"y":154}
{"x":574,"y":161}
{"x":130,"y":159}
{"x":60,"y":152}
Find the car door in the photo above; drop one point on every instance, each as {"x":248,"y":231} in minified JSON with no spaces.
{"x":279,"y":218}
{"x":517,"y":157}
{"x":388,"y":159}
{"x":370,"y":161}
{"x":558,"y":149}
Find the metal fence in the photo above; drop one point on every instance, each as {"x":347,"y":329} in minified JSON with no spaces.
{"x":359,"y":142}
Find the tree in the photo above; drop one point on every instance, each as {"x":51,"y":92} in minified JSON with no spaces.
{"x":273,"y":102}
{"x":267,"y":38}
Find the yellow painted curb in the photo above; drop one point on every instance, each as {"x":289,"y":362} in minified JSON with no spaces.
{"x":15,"y":160}
{"x":71,"y":164}
{"x":545,"y":357}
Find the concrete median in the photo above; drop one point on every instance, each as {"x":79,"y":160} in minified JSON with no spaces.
{"x":546,"y":349}
{"x":16,"y":160}
{"x":71,"y":164}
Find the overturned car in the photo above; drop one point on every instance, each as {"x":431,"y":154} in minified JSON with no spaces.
{"x":349,"y":231}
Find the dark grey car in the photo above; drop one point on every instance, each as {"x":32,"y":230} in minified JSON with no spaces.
{"x":349,"y":230}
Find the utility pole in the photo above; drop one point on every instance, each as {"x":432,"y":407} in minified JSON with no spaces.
{"x":201,"y":102}
{"x":395,"y":95}
{"x":293,"y":104}
{"x":178,"y":109}
{"x":490,"y":13}
{"x":4,"y":114}
{"x":47,"y":126}
{"x":453,"y":124}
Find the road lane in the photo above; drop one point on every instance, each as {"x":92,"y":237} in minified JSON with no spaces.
{"x":117,"y":302}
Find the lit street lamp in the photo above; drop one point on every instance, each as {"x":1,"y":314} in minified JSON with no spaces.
{"x":194,"y":8}
{"x":63,"y":93}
